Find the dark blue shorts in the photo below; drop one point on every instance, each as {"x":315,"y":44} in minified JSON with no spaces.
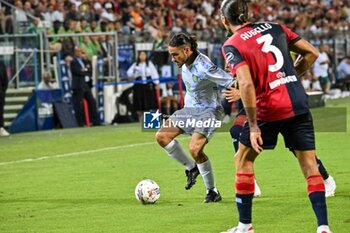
{"x":298,"y":133}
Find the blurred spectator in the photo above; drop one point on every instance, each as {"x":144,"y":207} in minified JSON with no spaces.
{"x":35,"y":26}
{"x":144,"y":92}
{"x":344,"y":73}
{"x":3,"y":86}
{"x":47,"y":83}
{"x":47,"y":15}
{"x":91,"y":48}
{"x":306,"y":80}
{"x":321,"y":66}
{"x":55,"y":43}
{"x":28,"y":8}
{"x":108,"y":13}
{"x":208,"y":6}
{"x":85,"y":13}
{"x":198,"y":25}
{"x":19,"y":12}
{"x":72,"y":13}
{"x":128,"y":25}
{"x":179,"y":26}
{"x":136,"y":15}
{"x":58,"y":13}
{"x":68,"y":42}
{"x":94,"y":26}
{"x":81,"y":73}
{"x":168,"y":99}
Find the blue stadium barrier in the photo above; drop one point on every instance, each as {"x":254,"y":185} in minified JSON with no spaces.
{"x":37,"y":113}
{"x":161,"y":80}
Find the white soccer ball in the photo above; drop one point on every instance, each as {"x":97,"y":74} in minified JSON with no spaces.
{"x":147,"y":192}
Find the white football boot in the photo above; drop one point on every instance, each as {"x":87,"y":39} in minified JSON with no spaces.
{"x":330,"y":186}
{"x":323,"y":229}
{"x":240,"y":229}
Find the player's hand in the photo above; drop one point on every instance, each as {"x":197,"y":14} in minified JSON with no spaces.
{"x":231,"y":94}
{"x":256,"y":139}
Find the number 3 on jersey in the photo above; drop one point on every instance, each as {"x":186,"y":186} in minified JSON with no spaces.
{"x":268,"y":47}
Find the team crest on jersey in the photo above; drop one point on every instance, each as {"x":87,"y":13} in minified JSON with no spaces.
{"x":195,"y":78}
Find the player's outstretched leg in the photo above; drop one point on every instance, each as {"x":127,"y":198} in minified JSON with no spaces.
{"x":173,"y":148}
{"x":315,"y":188}
{"x":328,"y":179}
{"x":204,"y":166}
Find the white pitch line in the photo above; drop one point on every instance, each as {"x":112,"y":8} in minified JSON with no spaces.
{"x":84,"y":152}
{"x":75,"y":153}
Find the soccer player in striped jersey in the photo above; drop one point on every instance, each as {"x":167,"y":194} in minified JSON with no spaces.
{"x":258,"y":54}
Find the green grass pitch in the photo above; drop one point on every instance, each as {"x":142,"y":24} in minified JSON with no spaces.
{"x":83,"y":180}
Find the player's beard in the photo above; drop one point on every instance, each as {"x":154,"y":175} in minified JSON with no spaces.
{"x":183,"y":61}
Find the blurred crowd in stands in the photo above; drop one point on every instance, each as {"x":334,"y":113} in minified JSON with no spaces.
{"x":155,"y":21}
{"x":157,"y":18}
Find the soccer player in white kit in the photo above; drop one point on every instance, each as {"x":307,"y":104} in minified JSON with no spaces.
{"x":200,"y":115}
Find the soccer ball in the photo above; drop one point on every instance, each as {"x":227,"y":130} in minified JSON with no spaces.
{"x":147,"y":192}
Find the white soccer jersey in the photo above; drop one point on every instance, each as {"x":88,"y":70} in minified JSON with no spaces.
{"x":203,"y":79}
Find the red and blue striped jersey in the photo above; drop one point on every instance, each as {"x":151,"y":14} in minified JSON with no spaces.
{"x":264,"y":48}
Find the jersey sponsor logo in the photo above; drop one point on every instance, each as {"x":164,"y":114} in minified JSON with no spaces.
{"x":282,"y":80}
{"x":259,"y":29}
{"x":233,"y":57}
{"x":229,"y":57}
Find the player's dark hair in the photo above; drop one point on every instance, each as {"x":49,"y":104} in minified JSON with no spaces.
{"x":235,"y":11}
{"x":182,"y":38}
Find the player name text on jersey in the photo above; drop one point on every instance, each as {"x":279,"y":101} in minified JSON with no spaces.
{"x":249,"y":34}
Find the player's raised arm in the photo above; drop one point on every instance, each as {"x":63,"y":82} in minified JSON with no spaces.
{"x":308,"y":52}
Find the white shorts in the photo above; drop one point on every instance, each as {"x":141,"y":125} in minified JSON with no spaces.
{"x":194,"y":120}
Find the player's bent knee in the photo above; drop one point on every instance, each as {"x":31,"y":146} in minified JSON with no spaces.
{"x":244,"y":159}
{"x":194,"y":150}
{"x":162,"y":139}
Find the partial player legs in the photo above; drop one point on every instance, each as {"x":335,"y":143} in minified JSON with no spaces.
{"x":235,"y":132}
{"x":244,"y":184}
{"x":196,"y":147}
{"x":166,"y":139}
{"x":328,"y":180}
{"x":315,"y":185}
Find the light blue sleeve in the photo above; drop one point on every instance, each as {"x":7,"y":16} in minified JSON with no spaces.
{"x":219,"y":76}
